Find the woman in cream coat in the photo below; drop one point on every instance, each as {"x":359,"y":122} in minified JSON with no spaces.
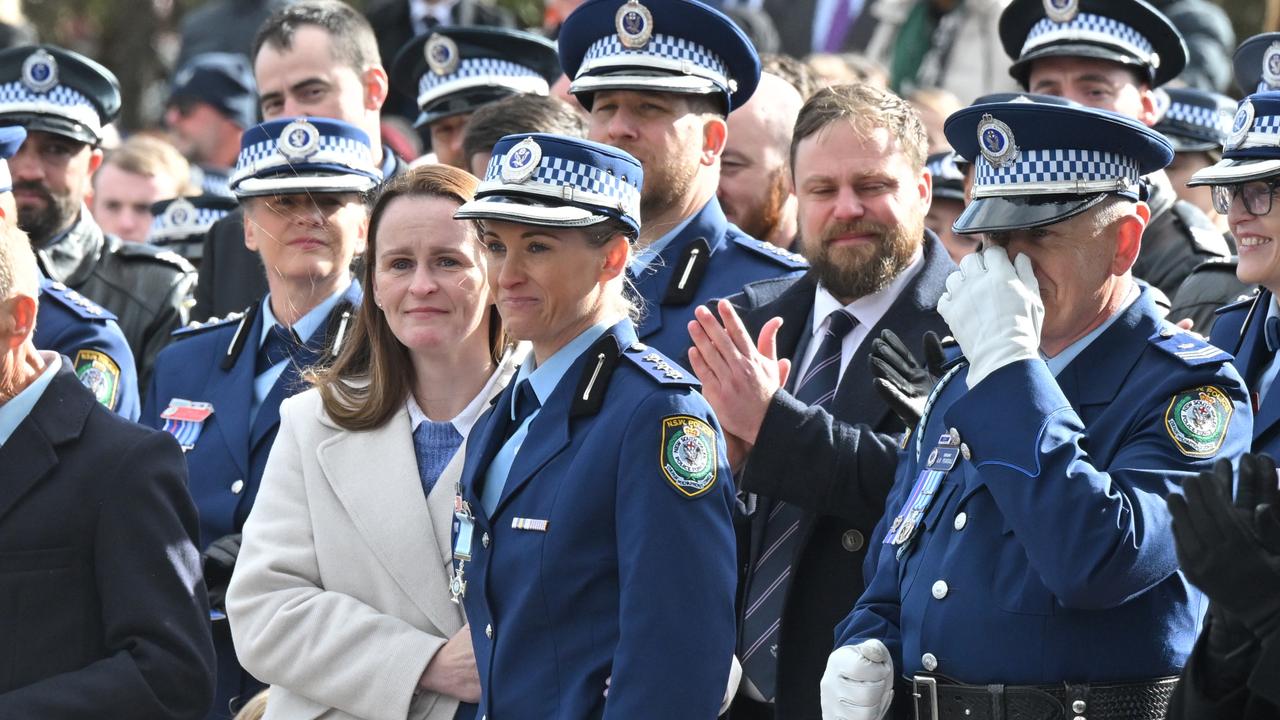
{"x":340,"y":599}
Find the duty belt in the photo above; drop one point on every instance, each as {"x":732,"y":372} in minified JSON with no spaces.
{"x":936,"y":697}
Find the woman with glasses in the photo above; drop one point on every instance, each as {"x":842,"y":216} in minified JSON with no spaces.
{"x":1230,"y":548}
{"x":594,"y":552}
{"x":219,"y":386}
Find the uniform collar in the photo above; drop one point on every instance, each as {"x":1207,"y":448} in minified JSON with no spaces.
{"x":644,"y":258}
{"x":868,"y":309}
{"x":467,"y":418}
{"x":308,"y":324}
{"x":71,"y":256}
{"x":546,"y":376}
{"x":13,"y":412}
{"x":1064,"y":358}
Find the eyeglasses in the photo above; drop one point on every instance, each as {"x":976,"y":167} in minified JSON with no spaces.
{"x":1257,"y":196}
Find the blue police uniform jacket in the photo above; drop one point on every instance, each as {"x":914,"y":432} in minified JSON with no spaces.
{"x":214,"y":363}
{"x":87,"y":333}
{"x":1046,"y":554}
{"x":595,"y":563}
{"x":709,"y":259}
{"x":1241,"y":330}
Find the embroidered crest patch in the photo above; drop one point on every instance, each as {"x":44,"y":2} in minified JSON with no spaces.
{"x":1197,"y":420}
{"x":98,"y":372}
{"x":688,"y":454}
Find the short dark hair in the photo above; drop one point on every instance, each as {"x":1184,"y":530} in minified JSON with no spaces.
{"x":796,"y":73}
{"x":520,"y":114}
{"x":865,"y":107}
{"x":353,"y":40}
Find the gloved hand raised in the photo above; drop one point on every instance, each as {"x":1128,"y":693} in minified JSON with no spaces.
{"x":994,"y":310}
{"x":858,"y":683}
{"x":899,"y":377}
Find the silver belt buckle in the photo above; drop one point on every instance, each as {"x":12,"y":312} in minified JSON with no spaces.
{"x":930,"y":687}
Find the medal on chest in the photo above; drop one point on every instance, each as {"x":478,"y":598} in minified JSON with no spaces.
{"x":941,"y":460}
{"x":461,"y":546}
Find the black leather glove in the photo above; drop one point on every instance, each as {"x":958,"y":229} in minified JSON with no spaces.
{"x":1231,"y":651}
{"x":1219,"y":544}
{"x":219,"y":562}
{"x":899,"y":377}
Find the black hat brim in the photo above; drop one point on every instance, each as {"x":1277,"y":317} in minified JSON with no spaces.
{"x":1021,"y":68}
{"x":997,"y":214}
{"x":54,"y":124}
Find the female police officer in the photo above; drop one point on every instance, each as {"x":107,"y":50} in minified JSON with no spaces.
{"x":594,"y":548}
{"x":219,"y":388}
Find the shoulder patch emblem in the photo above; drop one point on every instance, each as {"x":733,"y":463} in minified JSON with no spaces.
{"x":688,"y":454}
{"x":1197,"y":420}
{"x":98,"y":372}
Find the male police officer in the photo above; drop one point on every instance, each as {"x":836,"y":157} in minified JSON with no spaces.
{"x":659,"y":78}
{"x":63,"y":99}
{"x":1110,"y":54}
{"x":454,"y":71}
{"x":1025,"y":559}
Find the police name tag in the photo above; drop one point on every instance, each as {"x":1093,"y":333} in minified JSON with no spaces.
{"x":184,"y":420}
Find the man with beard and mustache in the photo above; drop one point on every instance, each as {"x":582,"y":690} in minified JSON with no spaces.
{"x":659,"y":78}
{"x":755,"y":182}
{"x":816,"y":447}
{"x":64,"y":99}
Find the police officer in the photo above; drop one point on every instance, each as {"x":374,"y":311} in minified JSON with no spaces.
{"x":1026,"y":568}
{"x":1256,"y":63}
{"x":180,"y":224}
{"x":212,"y":100}
{"x":64,"y":99}
{"x":948,"y":202}
{"x":659,"y":79}
{"x":594,"y":548}
{"x":454,"y":71}
{"x":1111,"y":54}
{"x":218,"y":389}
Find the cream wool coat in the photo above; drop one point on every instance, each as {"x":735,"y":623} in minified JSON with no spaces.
{"x":340,"y":595}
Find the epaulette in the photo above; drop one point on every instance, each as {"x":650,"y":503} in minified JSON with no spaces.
{"x":659,"y":366}
{"x":140,"y":251}
{"x":1190,"y":348}
{"x":76,"y":303}
{"x":1217,"y":263}
{"x":1240,"y":303}
{"x":781,"y":256}
{"x":195,"y":328}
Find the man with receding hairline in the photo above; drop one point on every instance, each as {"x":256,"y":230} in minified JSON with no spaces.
{"x":755,"y":180}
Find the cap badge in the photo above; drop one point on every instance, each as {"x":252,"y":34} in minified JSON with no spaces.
{"x":442,"y":54}
{"x":521,"y":161}
{"x":40,"y":71}
{"x":298,"y":140}
{"x":995,"y":139}
{"x":1061,"y":11}
{"x":1240,"y":126}
{"x":634,"y":23}
{"x":1271,"y":66}
{"x":180,"y":213}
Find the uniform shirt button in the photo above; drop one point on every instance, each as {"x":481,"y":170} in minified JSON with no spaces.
{"x":940,"y":589}
{"x":929,"y":662}
{"x":852,"y":540}
{"x":1078,"y":707}
{"x":237,"y":487}
{"x":484,"y":539}
{"x":488,"y":631}
{"x":964,"y":451}
{"x":961,"y":519}
{"x":955,"y":435}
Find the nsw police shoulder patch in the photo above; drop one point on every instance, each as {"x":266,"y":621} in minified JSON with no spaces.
{"x":98,"y":372}
{"x":1198,"y":419}
{"x":688,"y":454}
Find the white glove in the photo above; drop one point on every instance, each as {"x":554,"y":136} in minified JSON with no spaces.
{"x":858,"y":683}
{"x":993,"y":308}
{"x":735,"y":679}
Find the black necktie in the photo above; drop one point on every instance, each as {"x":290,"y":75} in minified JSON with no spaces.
{"x":278,"y":347}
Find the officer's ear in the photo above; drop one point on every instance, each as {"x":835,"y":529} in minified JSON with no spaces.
{"x":1148,"y":115}
{"x":376,"y":87}
{"x":1128,"y":228}
{"x":715,"y":134}
{"x":17,"y":321}
{"x":616,"y":255}
{"x":924,"y":183}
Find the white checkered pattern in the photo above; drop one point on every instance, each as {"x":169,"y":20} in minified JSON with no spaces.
{"x":60,"y":100}
{"x":1208,"y":118}
{"x":1087,"y":26}
{"x":662,"y":52}
{"x":332,"y":150}
{"x":481,"y":72}
{"x":203,"y":218}
{"x":590,"y":184}
{"x":1265,"y":132}
{"x":1048,"y":172}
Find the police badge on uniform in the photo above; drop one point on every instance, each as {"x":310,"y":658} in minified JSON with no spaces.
{"x":98,"y":372}
{"x":521,"y":162}
{"x":1271,"y":66}
{"x":1197,"y":420}
{"x":688,"y":454}
{"x":1240,"y":126}
{"x":1061,"y":11}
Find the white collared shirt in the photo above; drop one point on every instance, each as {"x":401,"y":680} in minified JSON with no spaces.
{"x":421,"y":10}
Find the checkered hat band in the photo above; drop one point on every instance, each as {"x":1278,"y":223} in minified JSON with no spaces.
{"x":61,"y":101}
{"x":662,"y":52}
{"x":1264,"y":133}
{"x":1049,"y":170}
{"x":1208,"y":118}
{"x":265,"y":157}
{"x":1088,"y":27}
{"x":556,"y":173}
{"x":161,"y":229}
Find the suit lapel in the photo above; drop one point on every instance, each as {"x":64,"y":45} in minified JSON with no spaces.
{"x":548,"y":435}
{"x":390,"y":516}
{"x":231,"y":392}
{"x":485,"y":440}
{"x":31,"y":451}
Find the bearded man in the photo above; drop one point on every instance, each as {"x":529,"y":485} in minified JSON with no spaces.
{"x":815,"y":482}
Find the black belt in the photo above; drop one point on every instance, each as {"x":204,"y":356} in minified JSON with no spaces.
{"x":938,"y":698}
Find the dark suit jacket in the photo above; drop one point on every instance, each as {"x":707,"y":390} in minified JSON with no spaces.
{"x":794,"y":20}
{"x":1255,"y":673}
{"x":103,"y":611}
{"x":838,"y":467}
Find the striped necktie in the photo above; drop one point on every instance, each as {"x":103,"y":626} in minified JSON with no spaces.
{"x":767,"y":591}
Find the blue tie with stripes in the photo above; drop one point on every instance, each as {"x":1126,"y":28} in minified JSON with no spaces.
{"x":767,"y":592}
